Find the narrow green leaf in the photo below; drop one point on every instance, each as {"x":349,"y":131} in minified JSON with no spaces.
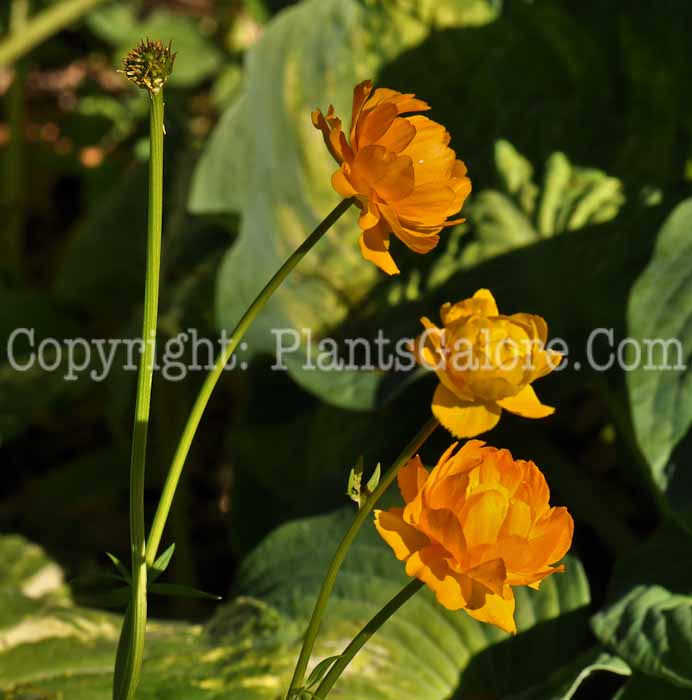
{"x":108,"y":599}
{"x":97,"y":577}
{"x":320,"y":671}
{"x":374,"y":480}
{"x":173,"y":589}
{"x":124,"y":572}
{"x":162,"y":562}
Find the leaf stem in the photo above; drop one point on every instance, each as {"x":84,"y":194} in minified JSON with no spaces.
{"x":363,"y":636}
{"x":212,"y":378}
{"x":41,"y":27}
{"x":342,"y":549}
{"x":127,"y":675}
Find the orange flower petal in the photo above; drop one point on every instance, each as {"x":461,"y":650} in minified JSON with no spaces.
{"x":447,"y":493}
{"x":534,"y":579}
{"x":461,"y":186}
{"x":369,"y":216}
{"x":431,"y":156}
{"x":441,"y":525}
{"x":429,"y":565}
{"x":482,"y":303}
{"x":342,"y":184}
{"x":390,"y":175}
{"x":526,"y":404}
{"x":534,"y":489}
{"x":374,"y":125}
{"x":428,"y":204}
{"x":411,"y":478}
{"x":402,"y":538}
{"x":463,"y":419}
{"x":492,"y":574}
{"x":497,"y":610}
{"x":544,"y":362}
{"x":361,"y":92}
{"x":482,"y":517}
{"x":415,"y":240}
{"x":469,"y":456}
{"x":552,"y":536}
{"x":398,"y":136}
{"x":330,"y":126}
{"x":375,"y":247}
{"x":535,"y":322}
{"x":488,"y":305}
{"x":404,"y":102}
{"x":518,"y":521}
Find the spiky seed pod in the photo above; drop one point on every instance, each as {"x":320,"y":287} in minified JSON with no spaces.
{"x":149,"y":64}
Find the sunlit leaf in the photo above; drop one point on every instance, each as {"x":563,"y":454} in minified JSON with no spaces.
{"x":659,"y":321}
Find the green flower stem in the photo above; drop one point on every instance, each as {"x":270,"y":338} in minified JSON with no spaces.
{"x":127,"y":673}
{"x":41,"y":27}
{"x":362,"y":637}
{"x":213,"y":377}
{"x":342,"y":549}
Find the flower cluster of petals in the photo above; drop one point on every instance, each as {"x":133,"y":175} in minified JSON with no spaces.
{"x":486,"y":362}
{"x":399,"y":169}
{"x":475,"y":526}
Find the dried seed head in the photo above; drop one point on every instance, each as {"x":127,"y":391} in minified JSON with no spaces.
{"x":149,"y":65}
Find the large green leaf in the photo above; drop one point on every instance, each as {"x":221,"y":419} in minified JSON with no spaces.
{"x":50,"y":649}
{"x":266,"y":160}
{"x":424,"y":649}
{"x":660,"y":321}
{"x":649,"y":619}
{"x":28,"y":571}
{"x":564,"y":682}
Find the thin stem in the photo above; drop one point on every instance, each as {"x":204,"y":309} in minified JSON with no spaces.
{"x":127,"y":678}
{"x":213,"y":377}
{"x":362,"y":637}
{"x":41,"y":27}
{"x":342,"y":549}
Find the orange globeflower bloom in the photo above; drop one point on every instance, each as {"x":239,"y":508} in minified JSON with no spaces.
{"x":475,"y":526}
{"x":404,"y":177}
{"x":485,"y":362}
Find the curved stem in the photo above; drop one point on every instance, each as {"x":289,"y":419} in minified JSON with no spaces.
{"x":127,"y":675}
{"x":213,"y":377}
{"x":41,"y":27}
{"x":362,"y":637}
{"x":342,"y":549}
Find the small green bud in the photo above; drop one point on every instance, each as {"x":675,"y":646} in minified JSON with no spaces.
{"x":149,"y":65}
{"x":355,"y":490}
